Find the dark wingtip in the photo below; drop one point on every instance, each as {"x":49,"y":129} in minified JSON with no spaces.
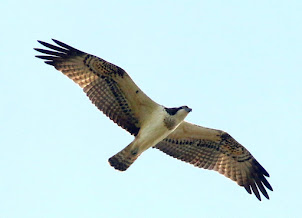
{"x":50,"y":63}
{"x":260,"y":168}
{"x":45,"y":57}
{"x":262,"y":189}
{"x":42,"y":42}
{"x":55,"y":40}
{"x":253,"y":189}
{"x":65,"y":46}
{"x":248,"y":189}
{"x":265,"y":172}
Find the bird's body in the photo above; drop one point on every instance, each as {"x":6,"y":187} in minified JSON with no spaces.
{"x":158,"y":125}
{"x":112,"y":90}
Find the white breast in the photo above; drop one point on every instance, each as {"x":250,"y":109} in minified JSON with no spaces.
{"x":153,"y":130}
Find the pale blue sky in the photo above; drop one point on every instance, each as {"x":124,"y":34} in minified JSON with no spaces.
{"x":236,"y":63}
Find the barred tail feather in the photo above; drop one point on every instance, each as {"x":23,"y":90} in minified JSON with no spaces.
{"x":122,"y":160}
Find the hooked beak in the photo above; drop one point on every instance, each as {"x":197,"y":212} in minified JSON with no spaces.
{"x":188,"y":109}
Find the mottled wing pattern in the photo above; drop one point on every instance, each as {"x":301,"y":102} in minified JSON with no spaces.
{"x":216,"y":150}
{"x":108,"y":86}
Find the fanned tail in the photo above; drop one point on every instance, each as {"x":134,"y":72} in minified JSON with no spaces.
{"x":123,"y":159}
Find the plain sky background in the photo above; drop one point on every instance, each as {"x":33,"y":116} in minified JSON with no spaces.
{"x":236,"y":63}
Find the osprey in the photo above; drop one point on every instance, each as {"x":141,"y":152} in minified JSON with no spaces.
{"x":113,"y":92}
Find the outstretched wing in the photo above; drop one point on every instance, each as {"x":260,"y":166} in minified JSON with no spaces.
{"x":108,"y":86}
{"x":216,"y":150}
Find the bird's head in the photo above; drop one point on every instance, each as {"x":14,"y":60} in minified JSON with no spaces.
{"x":179,"y":113}
{"x":175,"y":110}
{"x":186,"y":108}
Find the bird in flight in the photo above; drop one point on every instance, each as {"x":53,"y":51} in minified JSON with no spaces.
{"x":113,"y":92}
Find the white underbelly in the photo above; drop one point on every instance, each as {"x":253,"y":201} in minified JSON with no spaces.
{"x":151,"y":135}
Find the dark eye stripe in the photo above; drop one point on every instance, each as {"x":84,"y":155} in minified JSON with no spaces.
{"x":172,"y":111}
